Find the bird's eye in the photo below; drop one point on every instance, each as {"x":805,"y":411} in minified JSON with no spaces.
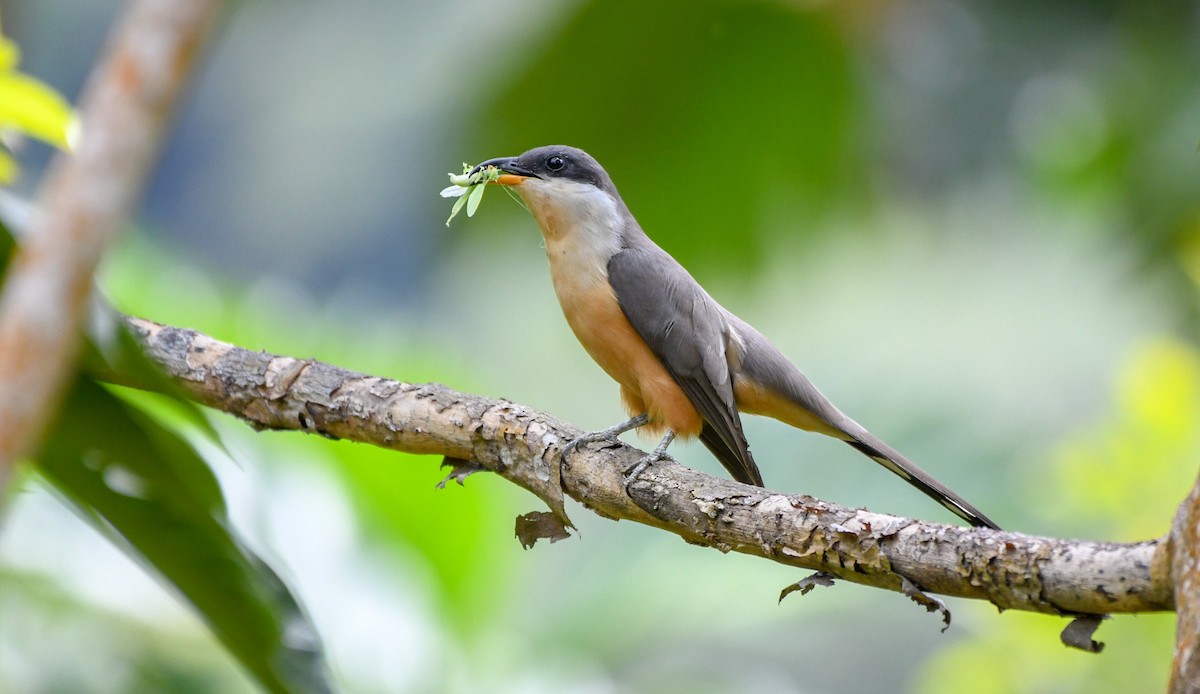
{"x":556,"y":163}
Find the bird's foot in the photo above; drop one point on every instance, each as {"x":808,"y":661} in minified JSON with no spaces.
{"x":610,"y":434}
{"x":660,"y":453}
{"x":632,"y":473}
{"x":586,"y":438}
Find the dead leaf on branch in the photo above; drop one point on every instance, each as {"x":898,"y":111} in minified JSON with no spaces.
{"x":930,"y":603}
{"x":537,"y":525}
{"x":1078,"y":633}
{"x":805,"y":585}
{"x":459,"y":470}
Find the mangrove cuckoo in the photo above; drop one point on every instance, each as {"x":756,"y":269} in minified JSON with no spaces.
{"x":686,"y":366}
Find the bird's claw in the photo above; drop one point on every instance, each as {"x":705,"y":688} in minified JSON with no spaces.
{"x":660,"y":453}
{"x":610,"y":434}
{"x":574,"y":445}
{"x":571,"y":447}
{"x":633,"y":471}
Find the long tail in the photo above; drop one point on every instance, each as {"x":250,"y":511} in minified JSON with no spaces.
{"x":779,"y":390}
{"x":740,"y":464}
{"x":907,"y":470}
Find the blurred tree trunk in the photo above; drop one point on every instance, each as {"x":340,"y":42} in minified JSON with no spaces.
{"x":84,"y":203}
{"x":1184,"y":546}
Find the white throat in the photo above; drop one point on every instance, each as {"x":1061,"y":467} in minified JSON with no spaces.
{"x":582,"y":226}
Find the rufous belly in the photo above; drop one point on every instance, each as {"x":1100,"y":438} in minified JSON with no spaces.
{"x":598,"y":322}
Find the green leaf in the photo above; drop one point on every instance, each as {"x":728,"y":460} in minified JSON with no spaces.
{"x":151,"y":493}
{"x":458,"y":205}
{"x":473,"y":199}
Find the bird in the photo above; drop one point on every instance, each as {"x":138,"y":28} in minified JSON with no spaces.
{"x":687,"y":367}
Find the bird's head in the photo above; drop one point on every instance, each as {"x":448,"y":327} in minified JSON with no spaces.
{"x":563,"y":186}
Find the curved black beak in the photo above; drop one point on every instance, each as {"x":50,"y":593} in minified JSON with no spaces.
{"x":507,"y":165}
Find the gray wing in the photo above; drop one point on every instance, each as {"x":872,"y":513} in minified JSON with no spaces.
{"x":689,"y":334}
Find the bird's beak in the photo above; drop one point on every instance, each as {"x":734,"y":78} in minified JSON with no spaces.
{"x":513,"y":173}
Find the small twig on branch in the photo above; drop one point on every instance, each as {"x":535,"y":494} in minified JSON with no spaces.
{"x":86,"y":198}
{"x":1011,"y":570}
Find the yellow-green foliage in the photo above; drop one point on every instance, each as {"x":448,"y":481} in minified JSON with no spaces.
{"x":1129,"y":474}
{"x":29,"y":107}
{"x":1122,"y":478}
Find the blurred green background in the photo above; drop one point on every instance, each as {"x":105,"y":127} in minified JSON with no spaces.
{"x":975,"y":225}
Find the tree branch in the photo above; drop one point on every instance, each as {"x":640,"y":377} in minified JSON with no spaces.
{"x":86,"y":198}
{"x":1010,"y":570}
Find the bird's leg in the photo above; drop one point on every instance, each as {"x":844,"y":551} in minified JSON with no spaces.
{"x":609,"y":434}
{"x":660,"y":452}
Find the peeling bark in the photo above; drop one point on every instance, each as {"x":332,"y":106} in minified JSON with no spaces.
{"x":1010,"y":570}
